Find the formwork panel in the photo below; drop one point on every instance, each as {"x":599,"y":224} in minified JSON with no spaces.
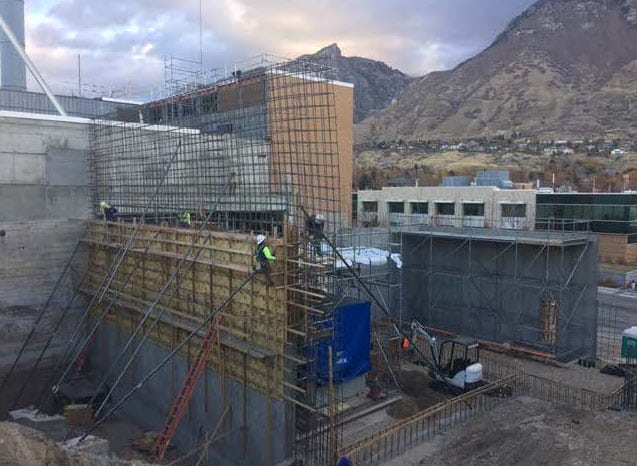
{"x":252,"y":326}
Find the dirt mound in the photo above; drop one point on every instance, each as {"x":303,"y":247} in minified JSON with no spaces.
{"x":23,"y":446}
{"x":526,"y":432}
{"x":403,"y":408}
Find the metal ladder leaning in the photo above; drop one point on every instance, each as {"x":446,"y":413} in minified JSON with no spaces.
{"x":180,"y":404}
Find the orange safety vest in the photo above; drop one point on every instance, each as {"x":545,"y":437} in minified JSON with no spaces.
{"x":405,"y":343}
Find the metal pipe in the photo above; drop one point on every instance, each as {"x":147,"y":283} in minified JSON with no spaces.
{"x":32,"y":68}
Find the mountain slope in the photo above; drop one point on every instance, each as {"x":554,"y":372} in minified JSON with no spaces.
{"x":375,"y":83}
{"x":563,"y":67}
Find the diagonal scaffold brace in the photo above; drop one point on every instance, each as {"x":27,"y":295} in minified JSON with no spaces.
{"x":206,"y":323}
{"x":107,"y":281}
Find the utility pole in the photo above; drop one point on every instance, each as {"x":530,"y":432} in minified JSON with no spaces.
{"x":200,"y":39}
{"x":79,"y":76}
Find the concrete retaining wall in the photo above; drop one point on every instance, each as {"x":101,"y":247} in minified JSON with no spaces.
{"x":254,"y":430}
{"x":43,"y":202}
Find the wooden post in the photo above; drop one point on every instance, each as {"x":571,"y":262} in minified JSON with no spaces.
{"x":331,"y":411}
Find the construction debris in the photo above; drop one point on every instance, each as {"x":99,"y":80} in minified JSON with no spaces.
{"x":78,"y":415}
{"x":92,"y":445}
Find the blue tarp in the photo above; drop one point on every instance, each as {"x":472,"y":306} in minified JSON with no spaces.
{"x":350,"y":344}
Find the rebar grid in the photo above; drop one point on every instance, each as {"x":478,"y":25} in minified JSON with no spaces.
{"x":255,"y":153}
{"x":271,"y":131}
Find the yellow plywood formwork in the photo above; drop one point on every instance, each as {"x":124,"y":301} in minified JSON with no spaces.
{"x":252,"y":328}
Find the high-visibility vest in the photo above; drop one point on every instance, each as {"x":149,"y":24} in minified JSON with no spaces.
{"x":185,"y":217}
{"x":263,"y":254}
{"x":405,"y":344}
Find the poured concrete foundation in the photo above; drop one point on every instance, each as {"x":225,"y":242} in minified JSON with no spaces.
{"x":255,"y":429}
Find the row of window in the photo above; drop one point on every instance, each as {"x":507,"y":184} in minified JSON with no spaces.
{"x":474,"y":209}
{"x":623,"y":213}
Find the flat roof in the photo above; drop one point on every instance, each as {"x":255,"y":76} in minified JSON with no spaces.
{"x":540,"y":237}
{"x":577,"y":193}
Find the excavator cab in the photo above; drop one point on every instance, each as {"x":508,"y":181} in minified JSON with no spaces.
{"x":458,"y":362}
{"x":453,"y":361}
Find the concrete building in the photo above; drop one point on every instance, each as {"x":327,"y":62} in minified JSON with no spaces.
{"x":528,"y":289}
{"x":281,"y":129}
{"x":611,"y":216}
{"x":457,"y":206}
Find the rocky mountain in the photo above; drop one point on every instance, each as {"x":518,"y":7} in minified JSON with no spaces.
{"x":375,"y":83}
{"x":564,"y":68}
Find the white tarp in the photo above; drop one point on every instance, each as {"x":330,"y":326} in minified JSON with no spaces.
{"x":366,"y":256}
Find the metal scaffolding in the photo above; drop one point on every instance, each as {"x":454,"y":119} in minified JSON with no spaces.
{"x":192,"y":177}
{"x":264,"y":141}
{"x":531,"y":289}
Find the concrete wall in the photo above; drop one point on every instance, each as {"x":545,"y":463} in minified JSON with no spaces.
{"x":492,"y":198}
{"x":493,"y":288}
{"x":43,"y":202}
{"x":253,"y":432}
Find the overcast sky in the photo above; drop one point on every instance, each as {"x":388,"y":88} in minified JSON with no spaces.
{"x":124,"y":42}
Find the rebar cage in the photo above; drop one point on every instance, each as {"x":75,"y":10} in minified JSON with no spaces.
{"x":255,"y":147}
{"x":255,"y":152}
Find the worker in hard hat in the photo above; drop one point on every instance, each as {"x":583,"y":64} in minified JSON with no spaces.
{"x":264,"y":257}
{"x":184,"y":218}
{"x":314,"y":228}
{"x":108,"y":211}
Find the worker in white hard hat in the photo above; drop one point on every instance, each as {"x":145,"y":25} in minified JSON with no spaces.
{"x":108,"y":211}
{"x":264,"y":257}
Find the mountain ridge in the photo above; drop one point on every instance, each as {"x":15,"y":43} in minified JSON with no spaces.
{"x":376,"y":84}
{"x":561,"y":68}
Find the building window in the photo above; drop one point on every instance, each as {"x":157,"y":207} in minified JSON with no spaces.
{"x":370,"y":207}
{"x":513,"y":210}
{"x":473,"y":210}
{"x":610,"y":212}
{"x":419,"y":207}
{"x":445,"y":208}
{"x":396,"y":207}
{"x":209,"y":104}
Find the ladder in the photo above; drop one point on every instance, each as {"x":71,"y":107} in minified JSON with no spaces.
{"x":180,"y":404}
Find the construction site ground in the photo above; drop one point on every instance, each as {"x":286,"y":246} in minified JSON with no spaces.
{"x":574,"y":375}
{"x":531,"y":423}
{"x":521,"y":430}
{"x":526,"y":431}
{"x":23,"y":446}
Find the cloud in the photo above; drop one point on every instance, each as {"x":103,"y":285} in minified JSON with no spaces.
{"x":126,"y":40}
